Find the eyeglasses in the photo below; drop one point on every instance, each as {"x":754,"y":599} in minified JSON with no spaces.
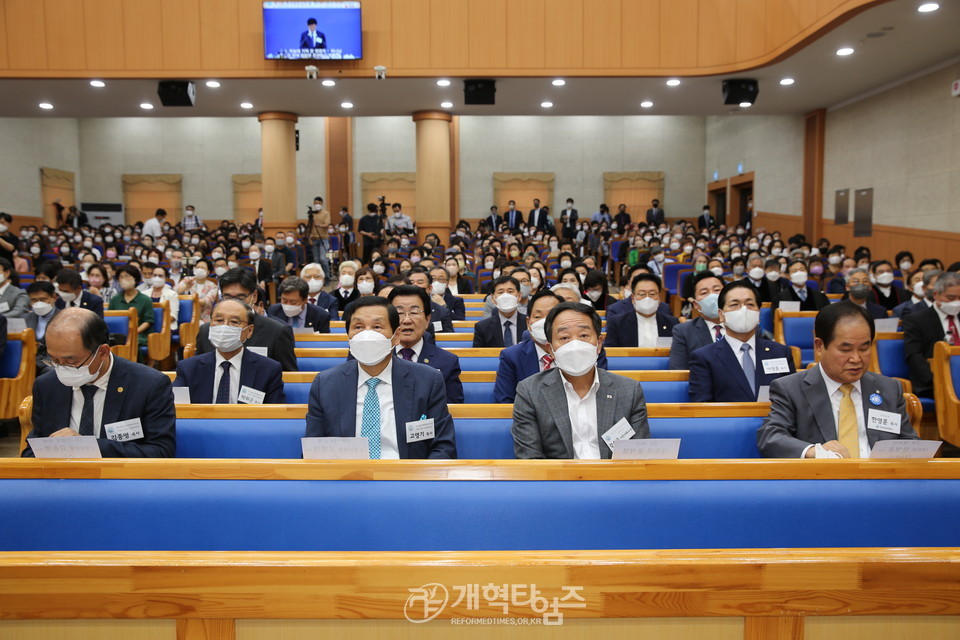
{"x":53,"y":362}
{"x":415,"y":312}
{"x":233,"y":322}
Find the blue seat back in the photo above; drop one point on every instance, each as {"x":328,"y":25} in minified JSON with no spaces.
{"x":345,"y":344}
{"x":212,"y":438}
{"x":891,"y":360}
{"x":484,"y":438}
{"x":157,"y":320}
{"x":317,"y":364}
{"x":297,"y":392}
{"x":766,"y":319}
{"x":635,"y":363}
{"x":479,"y":364}
{"x":10,"y":360}
{"x":710,"y":437}
{"x":798,"y":332}
{"x":954,"y":373}
{"x":477,"y":393}
{"x":670,"y":272}
{"x":185,"y":314}
{"x":118,"y":324}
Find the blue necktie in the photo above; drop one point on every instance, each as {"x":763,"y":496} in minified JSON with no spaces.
{"x":748,"y":369}
{"x":223,"y":391}
{"x":370,"y":423}
{"x":86,"y":413}
{"x":802,"y":293}
{"x":719,"y":333}
{"x":295,"y":321}
{"x":507,"y":334}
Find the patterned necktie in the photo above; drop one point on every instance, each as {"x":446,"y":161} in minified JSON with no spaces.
{"x":847,"y":422}
{"x":370,"y":422}
{"x":295,"y":321}
{"x":86,"y":413}
{"x":802,"y":294}
{"x":748,"y":368}
{"x":718,"y":333}
{"x":407,"y":354}
{"x":507,"y":334}
{"x":953,"y":335}
{"x":223,"y":391}
{"x":547,"y":361}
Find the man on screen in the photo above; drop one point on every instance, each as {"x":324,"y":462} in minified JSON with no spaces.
{"x":311,"y":38}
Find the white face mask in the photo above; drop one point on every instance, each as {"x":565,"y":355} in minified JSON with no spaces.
{"x":314,"y":286}
{"x":66,"y":297}
{"x":576,"y":357}
{"x":756,"y":273}
{"x":594,"y":295}
{"x":200,"y":274}
{"x":225,"y":338}
{"x":674,"y":246}
{"x":773,"y":276}
{"x":906,"y":265}
{"x":438,"y":288}
{"x":565,"y":264}
{"x":220,"y":271}
{"x":41,"y":308}
{"x":370,"y":347}
{"x":885,"y":279}
{"x":646,"y":306}
{"x":919,"y":291}
{"x":799,"y":278}
{"x":717,"y":271}
{"x":534,"y":283}
{"x":346,"y":281}
{"x":157,"y":281}
{"x":950,"y":308}
{"x":507,"y":302}
{"x":291,"y":310}
{"x":365,"y":287}
{"x":743,"y":320}
{"x":378,"y":269}
{"x":537,"y":331}
{"x":254,"y":256}
{"x":231,"y":264}
{"x":245,"y":244}
{"x":75,"y":377}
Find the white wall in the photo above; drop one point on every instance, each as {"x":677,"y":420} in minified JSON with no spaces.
{"x":770,"y":146}
{"x":381,"y":144}
{"x":26,"y":144}
{"x":578,"y":150}
{"x":905,"y":143}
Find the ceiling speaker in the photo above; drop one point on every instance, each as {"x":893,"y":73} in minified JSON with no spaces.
{"x":479,"y":91}
{"x":740,"y":90}
{"x":177,"y":93}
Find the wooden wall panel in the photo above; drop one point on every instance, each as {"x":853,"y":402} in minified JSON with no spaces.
{"x":4,"y":61}
{"x":640,"y":34}
{"x":751,"y":19}
{"x":678,"y":24}
{"x":66,"y":41}
{"x":488,"y":34}
{"x":103,"y":20}
{"x":525,"y":34}
{"x":449,"y":34}
{"x":602,"y":34}
{"x":219,"y":25}
{"x":26,"y":34}
{"x":180,"y":23}
{"x":412,"y":51}
{"x":142,"y":46}
{"x":249,"y":36}
{"x":564,"y":33}
{"x":717,"y":34}
{"x":377,"y":33}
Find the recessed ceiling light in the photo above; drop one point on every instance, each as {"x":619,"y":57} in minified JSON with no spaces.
{"x":744,"y":105}
{"x":844,"y":51}
{"x":443,"y":83}
{"x":213,"y":84}
{"x":786,"y":82}
{"x":45,"y":105}
{"x":559,"y":82}
{"x":146,"y":105}
{"x":673,"y":82}
{"x":927,"y":7}
{"x":446,"y":105}
{"x":646,"y":104}
{"x":546,"y":104}
{"x":346,"y":105}
{"x":99,"y":84}
{"x":329,"y":83}
{"x":246,"y":105}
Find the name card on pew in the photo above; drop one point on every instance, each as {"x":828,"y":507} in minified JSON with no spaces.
{"x":181,"y":395}
{"x":886,"y":325}
{"x":260,"y":351}
{"x":790,"y":305}
{"x":647,"y":449}
{"x":16,"y":325}
{"x":335,"y":448}
{"x":894,"y":449}
{"x":307,"y":330}
{"x":664,"y":342}
{"x":65,"y":447}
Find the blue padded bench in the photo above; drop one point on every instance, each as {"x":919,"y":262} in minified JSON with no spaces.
{"x":465,"y":515}
{"x":893,"y":364}
{"x":798,"y":332}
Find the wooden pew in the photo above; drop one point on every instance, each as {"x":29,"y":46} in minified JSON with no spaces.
{"x":944,"y":390}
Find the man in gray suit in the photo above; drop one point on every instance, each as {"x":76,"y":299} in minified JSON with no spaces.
{"x":14,"y":302}
{"x":703,"y":330}
{"x":573,"y":409}
{"x":837,"y":409}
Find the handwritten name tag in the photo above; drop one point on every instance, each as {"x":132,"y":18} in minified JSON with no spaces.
{"x":647,"y":449}
{"x":620,"y":431}
{"x":125,"y":430}
{"x":419,"y":430}
{"x":335,"y":448}
{"x":883,"y":421}
{"x":897,"y":449}
{"x":775,"y":365}
{"x":66,"y":447}
{"x":260,"y":351}
{"x":250,"y":396}
{"x":181,"y":395}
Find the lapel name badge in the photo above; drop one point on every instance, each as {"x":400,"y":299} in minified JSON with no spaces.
{"x":119,"y":389}
{"x":876,"y":399}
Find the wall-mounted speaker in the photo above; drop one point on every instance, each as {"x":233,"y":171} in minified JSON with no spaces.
{"x":740,"y":90}
{"x":177,"y":93}
{"x":479,"y":91}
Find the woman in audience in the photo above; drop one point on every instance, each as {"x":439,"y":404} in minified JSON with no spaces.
{"x":98,"y":282}
{"x":130,"y":298}
{"x":458,"y":284}
{"x":597,"y":290}
{"x":537,"y":281}
{"x":570,"y":276}
{"x":200,"y":283}
{"x":700,"y":263}
{"x":366,"y":279}
{"x":404,"y":266}
{"x":157,"y":289}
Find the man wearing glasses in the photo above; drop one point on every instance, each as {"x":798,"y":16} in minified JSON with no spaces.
{"x":270,"y":338}
{"x":231,"y":374}
{"x":127,"y":406}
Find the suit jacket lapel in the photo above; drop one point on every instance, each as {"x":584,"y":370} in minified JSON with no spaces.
{"x":732,"y":364}
{"x":557,"y":400}
{"x":348,"y":410}
{"x":631,"y":340}
{"x":703,"y":331}
{"x":117,"y":391}
{"x":206,"y":370}
{"x":606,"y":413}
{"x":815,"y":391}
{"x":402,"y":406}
{"x":528,"y":357}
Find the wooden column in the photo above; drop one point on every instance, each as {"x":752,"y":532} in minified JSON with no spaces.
{"x":814,"y":135}
{"x":339,"y":136}
{"x":433,"y":173}
{"x":278,"y":159}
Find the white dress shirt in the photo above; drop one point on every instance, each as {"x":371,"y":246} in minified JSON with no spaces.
{"x":453,"y":288}
{"x":647,"y":331}
{"x":833,"y":392}
{"x":234,"y":375}
{"x":710,"y":327}
{"x":76,"y":405}
{"x":736,"y":344}
{"x":583,"y":419}
{"x":388,"y":421}
{"x":513,"y":324}
{"x":152,"y":228}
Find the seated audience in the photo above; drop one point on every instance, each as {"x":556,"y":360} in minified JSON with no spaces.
{"x":70,"y":293}
{"x":314,"y":276}
{"x":826,"y":411}
{"x":860,"y":293}
{"x":505,"y":328}
{"x":881,"y":275}
{"x":130,"y":298}
{"x":43,"y":309}
{"x":346,"y":291}
{"x":574,"y":410}
{"x":14,"y":302}
{"x":921,"y":288}
{"x":702,"y":330}
{"x":798,"y":291}
{"x":440,"y":294}
{"x":157,"y":289}
{"x":923,"y":329}
{"x":647,"y":323}
{"x":294,"y":310}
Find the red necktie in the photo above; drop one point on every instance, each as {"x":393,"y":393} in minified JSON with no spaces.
{"x":716,"y":329}
{"x":547,"y":360}
{"x":953,"y":335}
{"x":313,"y":301}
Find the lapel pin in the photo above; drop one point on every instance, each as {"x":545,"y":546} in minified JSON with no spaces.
{"x":766,"y":348}
{"x":426,"y":361}
{"x":119,"y":389}
{"x":876,"y":399}
{"x":609,"y":397}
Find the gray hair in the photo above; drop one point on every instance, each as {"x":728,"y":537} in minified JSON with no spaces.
{"x":929,"y":276}
{"x":857,"y":270}
{"x":945,"y":281}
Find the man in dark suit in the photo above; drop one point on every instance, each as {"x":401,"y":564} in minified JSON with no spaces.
{"x":756,"y":277}
{"x":705,"y":221}
{"x":441,"y":320}
{"x":734,"y":369}
{"x":925,"y":299}
{"x":413,"y":306}
{"x":655,"y":215}
{"x":275,"y":337}
{"x":439,"y":279}
{"x":512,"y":217}
{"x":702,"y":330}
{"x":622,"y":219}
{"x":314,"y":276}
{"x":860,"y":293}
{"x":575,"y":409}
{"x":568,"y":221}
{"x":294,"y":310}
{"x":399,"y":406}
{"x":647,"y":318}
{"x":539,"y":216}
{"x":798,"y":291}
{"x":260,"y":266}
{"x":311,"y":38}
{"x":370,"y":228}
{"x":43,"y":305}
{"x":231,"y":374}
{"x":837,"y":408}
{"x":71,"y":293}
{"x":506,"y":327}
{"x":127,"y":406}
{"x":494,"y":219}
{"x":922,"y":330}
